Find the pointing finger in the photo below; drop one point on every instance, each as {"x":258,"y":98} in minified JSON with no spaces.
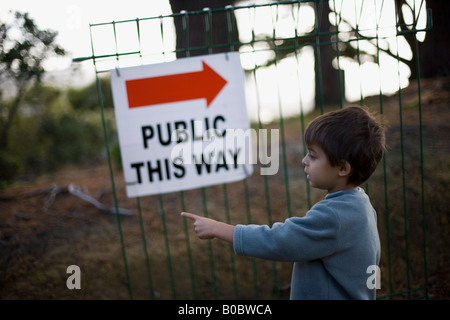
{"x":189,"y":215}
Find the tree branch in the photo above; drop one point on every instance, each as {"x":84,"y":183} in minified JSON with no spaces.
{"x":369,"y":40}
{"x":73,"y":190}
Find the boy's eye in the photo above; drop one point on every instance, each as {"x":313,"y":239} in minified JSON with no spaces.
{"x":311,"y":156}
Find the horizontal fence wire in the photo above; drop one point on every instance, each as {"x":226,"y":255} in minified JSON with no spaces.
{"x":173,"y":263}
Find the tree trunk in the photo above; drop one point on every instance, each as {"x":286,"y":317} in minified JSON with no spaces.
{"x":4,"y":134}
{"x":327,"y":77}
{"x":199,"y":34}
{"x":434,"y":54}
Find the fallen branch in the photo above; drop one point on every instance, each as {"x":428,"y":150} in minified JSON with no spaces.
{"x":78,"y":193}
{"x":73,"y":190}
{"x":53,"y":191}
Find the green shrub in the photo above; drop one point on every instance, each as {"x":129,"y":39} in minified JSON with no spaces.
{"x":72,"y":141}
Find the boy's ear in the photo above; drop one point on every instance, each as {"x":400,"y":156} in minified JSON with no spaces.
{"x":345,"y":168}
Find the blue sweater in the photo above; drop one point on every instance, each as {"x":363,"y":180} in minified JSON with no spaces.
{"x":332,"y":247}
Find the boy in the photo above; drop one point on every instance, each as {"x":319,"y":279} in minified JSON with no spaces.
{"x":335,"y":244}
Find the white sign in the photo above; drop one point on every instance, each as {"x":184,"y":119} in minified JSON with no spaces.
{"x":182,"y":124}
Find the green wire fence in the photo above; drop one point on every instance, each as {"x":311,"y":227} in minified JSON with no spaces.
{"x":169,"y":262}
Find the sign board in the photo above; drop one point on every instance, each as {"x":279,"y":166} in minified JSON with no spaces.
{"x":182,"y":124}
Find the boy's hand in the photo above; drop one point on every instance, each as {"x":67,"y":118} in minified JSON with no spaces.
{"x":202,"y":226}
{"x":208,"y":228}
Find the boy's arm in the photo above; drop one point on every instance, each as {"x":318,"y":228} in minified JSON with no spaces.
{"x":208,"y":228}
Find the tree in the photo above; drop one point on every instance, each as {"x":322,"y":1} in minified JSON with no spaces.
{"x":194,"y":37}
{"x":327,"y":77}
{"x":21,"y":63}
{"x":433,"y":57}
{"x":433,"y":52}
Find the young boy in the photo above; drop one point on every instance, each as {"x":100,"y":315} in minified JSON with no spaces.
{"x":335,"y":247}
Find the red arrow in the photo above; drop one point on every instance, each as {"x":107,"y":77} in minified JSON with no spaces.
{"x":204,"y":84}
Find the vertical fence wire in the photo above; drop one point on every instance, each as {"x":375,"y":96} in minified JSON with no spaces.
{"x":422,"y":173}
{"x":230,"y":23}
{"x":182,"y":202}
{"x":188,"y":248}
{"x":144,"y":245}
{"x":317,"y":60}
{"x":138,"y":199}
{"x":358,"y":51}
{"x":262,"y":143}
{"x":337,"y":17}
{"x":280,"y":113}
{"x":185,"y":32}
{"x":380,"y":100}
{"x":296,"y":20}
{"x":358,"y":58}
{"x":167,"y":246}
{"x":208,"y":26}
{"x":403,"y":174}
{"x":111,"y":174}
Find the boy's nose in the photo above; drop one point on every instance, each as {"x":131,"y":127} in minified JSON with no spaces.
{"x":304,"y":161}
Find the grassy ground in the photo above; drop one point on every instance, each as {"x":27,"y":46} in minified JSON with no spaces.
{"x":41,"y":237}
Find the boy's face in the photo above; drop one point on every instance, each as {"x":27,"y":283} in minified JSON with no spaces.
{"x":320,"y":173}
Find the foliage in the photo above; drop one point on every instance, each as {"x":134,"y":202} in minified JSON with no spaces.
{"x":22,"y":57}
{"x":42,"y":128}
{"x":51,"y":132}
{"x":86,"y":98}
{"x":74,"y":140}
{"x":23,"y":50}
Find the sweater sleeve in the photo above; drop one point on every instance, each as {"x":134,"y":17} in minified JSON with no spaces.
{"x":297,"y":239}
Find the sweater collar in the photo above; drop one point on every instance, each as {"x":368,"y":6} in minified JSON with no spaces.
{"x":357,"y":190}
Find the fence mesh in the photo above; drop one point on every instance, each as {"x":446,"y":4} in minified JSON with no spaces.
{"x":302,"y":58}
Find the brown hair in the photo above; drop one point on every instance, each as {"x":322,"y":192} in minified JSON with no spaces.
{"x":350,"y":134}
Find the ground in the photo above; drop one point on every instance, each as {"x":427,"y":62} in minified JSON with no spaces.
{"x":154,"y":254}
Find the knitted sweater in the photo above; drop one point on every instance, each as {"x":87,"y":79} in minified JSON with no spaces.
{"x":332,"y":247}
